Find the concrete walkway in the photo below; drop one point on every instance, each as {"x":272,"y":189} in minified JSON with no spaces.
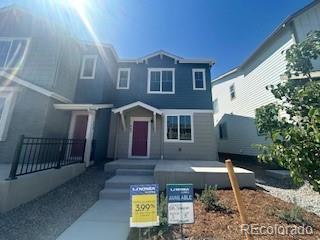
{"x":106,"y":219}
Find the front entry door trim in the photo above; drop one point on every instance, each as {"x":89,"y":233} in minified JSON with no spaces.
{"x":132,"y":119}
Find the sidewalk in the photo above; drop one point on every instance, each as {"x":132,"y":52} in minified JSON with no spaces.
{"x":106,"y":219}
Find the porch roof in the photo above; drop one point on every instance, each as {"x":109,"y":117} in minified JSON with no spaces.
{"x":137,"y":104}
{"x":82,"y":106}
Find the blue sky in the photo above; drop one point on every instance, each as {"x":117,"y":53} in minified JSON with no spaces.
{"x":224,"y":30}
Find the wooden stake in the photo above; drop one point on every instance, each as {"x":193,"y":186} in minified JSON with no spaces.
{"x":237,"y":195}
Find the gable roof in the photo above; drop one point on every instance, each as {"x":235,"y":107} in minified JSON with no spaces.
{"x":269,"y":38}
{"x":170,"y":55}
{"x":137,"y":104}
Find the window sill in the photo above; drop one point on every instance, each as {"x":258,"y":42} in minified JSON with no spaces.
{"x":161,"y":92}
{"x":199,"y":89}
{"x":178,"y":141}
{"x":122,"y":88}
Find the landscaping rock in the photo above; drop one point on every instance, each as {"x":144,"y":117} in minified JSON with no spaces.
{"x":48,"y":216}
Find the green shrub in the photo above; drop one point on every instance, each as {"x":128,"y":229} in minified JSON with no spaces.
{"x":210,"y":200}
{"x":293,"y":216}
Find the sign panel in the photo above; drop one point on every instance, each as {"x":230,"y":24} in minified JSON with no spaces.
{"x":144,"y":205}
{"x":180,"y":203}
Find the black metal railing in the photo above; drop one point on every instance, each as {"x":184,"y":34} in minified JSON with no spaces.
{"x":38,"y":154}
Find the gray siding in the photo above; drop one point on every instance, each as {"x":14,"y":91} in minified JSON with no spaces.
{"x":204,"y":146}
{"x":101,"y":134}
{"x":123,"y":135}
{"x":56,"y":122}
{"x":28,"y":118}
{"x":97,"y":90}
{"x":52,"y":59}
{"x":67,"y":70}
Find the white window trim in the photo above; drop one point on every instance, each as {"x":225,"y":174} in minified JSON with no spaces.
{"x":161,"y":70}
{"x":178,"y":140}
{"x":85,"y":57}
{"x":23,"y":56}
{"x":194,"y":70}
{"x":128,"y":80}
{"x":10,"y":94}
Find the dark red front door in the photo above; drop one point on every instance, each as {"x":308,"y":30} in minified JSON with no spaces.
{"x":140,"y":138}
{"x":79,"y":132}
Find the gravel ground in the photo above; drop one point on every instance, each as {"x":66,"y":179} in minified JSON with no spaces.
{"x":46,"y":217}
{"x":304,"y":196}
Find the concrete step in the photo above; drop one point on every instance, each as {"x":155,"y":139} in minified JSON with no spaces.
{"x":114,"y":193}
{"x":126,"y":181}
{"x":129,"y":164}
{"x":134,"y":172}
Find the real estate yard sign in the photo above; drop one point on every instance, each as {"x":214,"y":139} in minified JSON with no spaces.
{"x":180,"y":203}
{"x":144,"y":205}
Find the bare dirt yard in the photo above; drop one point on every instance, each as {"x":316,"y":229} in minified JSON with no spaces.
{"x":262,"y":209}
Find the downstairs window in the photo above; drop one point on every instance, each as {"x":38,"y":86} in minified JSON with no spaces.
{"x":179,"y":128}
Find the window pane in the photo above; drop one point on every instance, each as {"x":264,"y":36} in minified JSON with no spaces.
{"x":155,"y":81}
{"x":172,"y":127}
{"x":2,"y":102}
{"x":185,"y":128}
{"x":199,"y":79}
{"x":15,"y":56}
{"x":4,"y":49}
{"x":232,"y":92}
{"x":167,"y":81}
{"x":88,"y":67}
{"x":123,"y":82}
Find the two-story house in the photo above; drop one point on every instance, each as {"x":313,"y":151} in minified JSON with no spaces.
{"x":157,"y":106}
{"x":161,"y":105}
{"x":240,"y":91}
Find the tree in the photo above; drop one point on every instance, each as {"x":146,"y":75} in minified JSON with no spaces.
{"x":293,"y":121}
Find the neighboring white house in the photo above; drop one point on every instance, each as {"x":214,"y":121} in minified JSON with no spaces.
{"x":239,"y":92}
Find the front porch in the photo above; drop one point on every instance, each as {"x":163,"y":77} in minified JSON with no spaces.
{"x":197,"y":172}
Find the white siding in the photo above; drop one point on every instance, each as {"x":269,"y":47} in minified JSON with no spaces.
{"x":306,"y":22}
{"x":263,"y":69}
{"x":250,"y":83}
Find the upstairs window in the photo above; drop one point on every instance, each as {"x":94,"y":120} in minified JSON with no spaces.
{"x":179,"y":128}
{"x":161,"y":80}
{"x":215,"y":106}
{"x":12,"y":52}
{"x":123,"y":81}
{"x":199,"y":79}
{"x":88,"y":67}
{"x":232,"y":92}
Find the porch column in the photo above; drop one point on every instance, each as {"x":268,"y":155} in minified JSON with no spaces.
{"x":89,"y":136}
